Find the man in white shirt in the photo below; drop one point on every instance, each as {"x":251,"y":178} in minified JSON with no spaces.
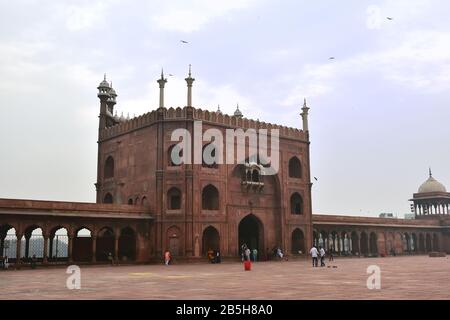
{"x":322,"y":256}
{"x":314,"y":254}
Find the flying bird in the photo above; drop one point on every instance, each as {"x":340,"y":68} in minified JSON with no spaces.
{"x":331,"y":58}
{"x":183,"y":41}
{"x":170,"y":75}
{"x":389,"y":18}
{"x":316,"y":179}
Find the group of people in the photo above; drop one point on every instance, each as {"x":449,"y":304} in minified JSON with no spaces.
{"x":214,"y":256}
{"x":319,"y":253}
{"x":277,"y":253}
{"x":248,"y":254}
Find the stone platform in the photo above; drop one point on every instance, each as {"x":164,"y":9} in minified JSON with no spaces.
{"x":411,"y":277}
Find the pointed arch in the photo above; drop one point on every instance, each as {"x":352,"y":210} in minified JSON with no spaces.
{"x":108,"y":198}
{"x":298,"y":242}
{"x":210,"y":240}
{"x":127,"y":244}
{"x":108,"y":171}
{"x":295,"y":168}
{"x":251,"y":233}
{"x":210,"y":198}
{"x":174,"y":199}
{"x":296,"y":204}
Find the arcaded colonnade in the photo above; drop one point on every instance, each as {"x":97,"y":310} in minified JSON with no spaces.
{"x":344,"y":235}
{"x":64,"y":231}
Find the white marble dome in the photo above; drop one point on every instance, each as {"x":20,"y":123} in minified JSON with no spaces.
{"x":432,"y":185}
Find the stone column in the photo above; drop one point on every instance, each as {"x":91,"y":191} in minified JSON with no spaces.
{"x":116,"y":248}
{"x":45,"y":259}
{"x":94,"y":249}
{"x":69,"y":250}
{"x":18,"y":248}
{"x":2,"y":243}
{"x":27,"y":246}
{"x":359,"y":245}
{"x":50,"y":251}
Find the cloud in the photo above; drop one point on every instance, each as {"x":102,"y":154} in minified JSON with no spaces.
{"x":405,"y":13}
{"x":419,"y":61}
{"x":189,"y":16}
{"x":84,"y":17}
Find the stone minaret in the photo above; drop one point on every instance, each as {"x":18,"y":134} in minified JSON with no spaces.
{"x":189,"y":81}
{"x":103,"y":95}
{"x":161,"y":83}
{"x":304,"y":115}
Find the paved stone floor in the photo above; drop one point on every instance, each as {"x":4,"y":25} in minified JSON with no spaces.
{"x":418,"y":277}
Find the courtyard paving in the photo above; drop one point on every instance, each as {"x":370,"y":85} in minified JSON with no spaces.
{"x":417,"y":277}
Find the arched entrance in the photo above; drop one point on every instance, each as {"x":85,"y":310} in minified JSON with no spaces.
{"x":297,"y":242}
{"x":428,"y":242}
{"x":127,"y":245}
{"x":211,"y":240}
{"x":251,"y":233}
{"x":8,"y":245}
{"x":82,"y":245}
{"x":414,"y":243}
{"x":58,"y":244}
{"x":406,"y":243}
{"x":373,"y":244}
{"x":174,"y":241}
{"x":105,"y":244}
{"x":355,"y":243}
{"x":364,"y":244}
{"x":436,"y":243}
{"x":421,"y":243}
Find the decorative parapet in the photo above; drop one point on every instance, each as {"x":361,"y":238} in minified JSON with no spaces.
{"x":212,"y":117}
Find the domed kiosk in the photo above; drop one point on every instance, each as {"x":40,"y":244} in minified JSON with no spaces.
{"x":432,"y":199}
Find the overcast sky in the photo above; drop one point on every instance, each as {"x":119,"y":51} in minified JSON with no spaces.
{"x":379,"y":111}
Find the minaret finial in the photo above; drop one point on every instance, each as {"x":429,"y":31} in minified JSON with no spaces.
{"x":189,"y":70}
{"x":429,"y":170}
{"x":104,"y":76}
{"x":162,"y":73}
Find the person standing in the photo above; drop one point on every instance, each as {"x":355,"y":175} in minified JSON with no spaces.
{"x":314,"y":254}
{"x":243,"y":248}
{"x":167,"y":257}
{"x":279,"y":253}
{"x":330,"y":253}
{"x":33,"y":261}
{"x":217,"y":259}
{"x":255,"y":255}
{"x":322,"y":256}
{"x":110,"y":258}
{"x":247,"y":254}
